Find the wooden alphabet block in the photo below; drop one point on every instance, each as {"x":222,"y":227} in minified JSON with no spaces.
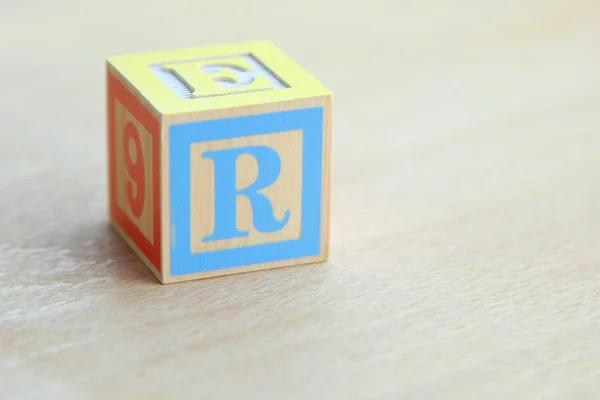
{"x":219,"y":160}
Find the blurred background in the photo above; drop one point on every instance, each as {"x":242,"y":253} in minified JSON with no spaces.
{"x":465,"y":217}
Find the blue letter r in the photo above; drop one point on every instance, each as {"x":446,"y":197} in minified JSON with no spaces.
{"x":269,"y":168}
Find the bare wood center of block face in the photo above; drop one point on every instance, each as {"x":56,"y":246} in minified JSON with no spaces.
{"x":284,"y":194}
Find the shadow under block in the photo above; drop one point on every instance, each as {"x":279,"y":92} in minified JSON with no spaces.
{"x":219,"y":160}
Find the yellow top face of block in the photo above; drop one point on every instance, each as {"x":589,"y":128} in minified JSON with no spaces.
{"x":216,"y":77}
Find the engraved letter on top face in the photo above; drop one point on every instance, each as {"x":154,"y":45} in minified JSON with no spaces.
{"x":219,"y":76}
{"x":226,"y":192}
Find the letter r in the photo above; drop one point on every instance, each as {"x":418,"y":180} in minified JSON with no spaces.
{"x":226,"y":192}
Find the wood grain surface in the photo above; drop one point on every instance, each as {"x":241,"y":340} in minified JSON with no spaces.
{"x":465,"y":210}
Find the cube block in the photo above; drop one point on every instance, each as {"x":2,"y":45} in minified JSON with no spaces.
{"x":219,"y":160}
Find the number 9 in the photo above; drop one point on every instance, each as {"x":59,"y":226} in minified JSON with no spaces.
{"x":135,"y":170}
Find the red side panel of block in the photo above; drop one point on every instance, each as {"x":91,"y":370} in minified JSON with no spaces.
{"x":134,"y":154}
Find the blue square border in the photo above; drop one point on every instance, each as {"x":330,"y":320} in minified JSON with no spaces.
{"x":182,"y":136}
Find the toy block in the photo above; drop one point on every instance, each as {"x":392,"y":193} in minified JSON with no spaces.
{"x":219,"y":160}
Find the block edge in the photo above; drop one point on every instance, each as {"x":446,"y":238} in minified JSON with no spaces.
{"x":129,"y":242}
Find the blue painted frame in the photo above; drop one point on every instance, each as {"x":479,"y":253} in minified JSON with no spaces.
{"x":182,"y":136}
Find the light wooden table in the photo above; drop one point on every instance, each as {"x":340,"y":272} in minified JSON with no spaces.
{"x":466,"y":210}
